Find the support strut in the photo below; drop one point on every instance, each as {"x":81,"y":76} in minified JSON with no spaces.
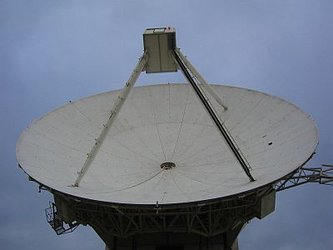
{"x":201,"y":80}
{"x":230,"y":141}
{"x":113,"y":114}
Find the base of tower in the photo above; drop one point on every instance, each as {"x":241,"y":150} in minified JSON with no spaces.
{"x":172,"y":241}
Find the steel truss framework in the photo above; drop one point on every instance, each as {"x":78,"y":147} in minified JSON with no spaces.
{"x":209,"y":219}
{"x":224,"y":217}
{"x":321,"y":175}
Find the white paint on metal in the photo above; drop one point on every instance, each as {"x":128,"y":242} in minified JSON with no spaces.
{"x":112,"y":116}
{"x":166,"y":123}
{"x":214,"y":116}
{"x":196,"y":75}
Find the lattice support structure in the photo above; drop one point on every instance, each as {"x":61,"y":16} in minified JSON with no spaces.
{"x":321,"y":175}
{"x":220,"y":219}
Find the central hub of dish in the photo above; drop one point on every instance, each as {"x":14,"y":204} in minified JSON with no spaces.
{"x":168,"y":165}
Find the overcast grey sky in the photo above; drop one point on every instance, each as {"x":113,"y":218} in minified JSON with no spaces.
{"x":55,"y":51}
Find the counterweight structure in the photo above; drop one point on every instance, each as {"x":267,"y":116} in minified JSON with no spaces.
{"x":173,"y":166}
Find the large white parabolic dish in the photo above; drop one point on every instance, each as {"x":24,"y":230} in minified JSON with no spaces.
{"x":167,"y":123}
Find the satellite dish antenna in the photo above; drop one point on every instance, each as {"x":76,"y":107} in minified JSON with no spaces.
{"x":184,"y":162}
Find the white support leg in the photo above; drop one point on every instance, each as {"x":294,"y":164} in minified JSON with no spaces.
{"x":213,"y":114}
{"x":113,"y":114}
{"x":201,"y":80}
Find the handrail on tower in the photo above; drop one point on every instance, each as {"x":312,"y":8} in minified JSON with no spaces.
{"x":56,"y":221}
